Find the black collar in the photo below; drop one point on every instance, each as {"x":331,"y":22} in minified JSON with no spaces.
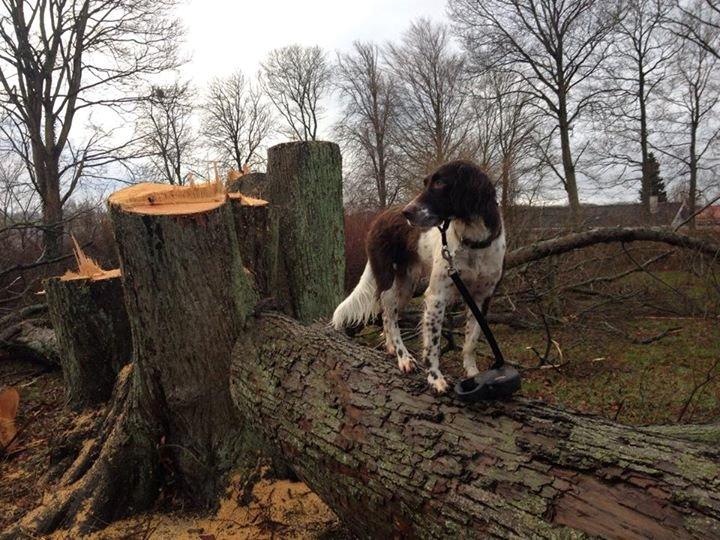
{"x":472,"y":244}
{"x":477,"y":244}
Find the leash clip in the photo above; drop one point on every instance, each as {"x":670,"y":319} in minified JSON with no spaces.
{"x":449,"y":259}
{"x":445,"y":249}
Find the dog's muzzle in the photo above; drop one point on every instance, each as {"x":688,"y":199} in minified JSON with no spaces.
{"x":420,"y":215}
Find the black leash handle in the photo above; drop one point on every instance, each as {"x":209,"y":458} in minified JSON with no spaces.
{"x":467,"y":297}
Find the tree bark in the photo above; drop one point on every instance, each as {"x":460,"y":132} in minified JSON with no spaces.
{"x":93,"y":334}
{"x":251,"y":184}
{"x":256,"y":226}
{"x":171,"y":425}
{"x":392,"y":460}
{"x":30,"y":341}
{"x":304,"y":183}
{"x":570,"y":180}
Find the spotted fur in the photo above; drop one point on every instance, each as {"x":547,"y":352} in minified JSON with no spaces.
{"x":404,"y":246}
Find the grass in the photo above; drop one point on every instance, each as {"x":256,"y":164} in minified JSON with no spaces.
{"x":620,"y":378}
{"x":606,"y":370}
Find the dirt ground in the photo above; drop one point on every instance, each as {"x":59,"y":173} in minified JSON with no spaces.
{"x":278,"y":508}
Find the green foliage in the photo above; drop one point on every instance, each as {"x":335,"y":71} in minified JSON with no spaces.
{"x":651,"y":168}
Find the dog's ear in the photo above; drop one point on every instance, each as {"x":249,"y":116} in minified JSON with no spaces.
{"x":476,"y":195}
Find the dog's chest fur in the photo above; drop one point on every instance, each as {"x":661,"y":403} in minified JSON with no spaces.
{"x":481,"y":269}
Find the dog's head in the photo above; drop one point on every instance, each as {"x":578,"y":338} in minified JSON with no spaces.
{"x":456,"y":190}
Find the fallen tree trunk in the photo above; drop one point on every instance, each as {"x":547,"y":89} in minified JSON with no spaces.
{"x":393,"y":460}
{"x":93,"y":333}
{"x":607,"y":235}
{"x":27,"y":340}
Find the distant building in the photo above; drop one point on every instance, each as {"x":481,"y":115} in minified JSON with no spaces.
{"x":709,"y":218}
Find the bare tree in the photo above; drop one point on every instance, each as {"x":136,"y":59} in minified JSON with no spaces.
{"x":165,"y":132}
{"x":236,"y":120}
{"x":433,"y":114}
{"x":553,"y":46}
{"x":692,"y":130}
{"x":639,"y":59}
{"x":296,"y":79}
{"x":58,"y":57}
{"x":695,"y":21}
{"x":507,"y":131}
{"x":369,"y":97}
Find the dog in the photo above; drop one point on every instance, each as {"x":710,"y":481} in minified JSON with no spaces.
{"x":404,"y":246}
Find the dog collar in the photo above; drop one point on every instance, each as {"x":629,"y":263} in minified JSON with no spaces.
{"x":477,"y":244}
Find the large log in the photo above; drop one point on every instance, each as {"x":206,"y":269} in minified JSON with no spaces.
{"x":93,"y":333}
{"x":393,"y":460}
{"x":304,"y":184}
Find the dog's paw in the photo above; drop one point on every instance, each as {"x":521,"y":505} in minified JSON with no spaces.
{"x":437,"y":382}
{"x":471,"y":372}
{"x":406,"y":363}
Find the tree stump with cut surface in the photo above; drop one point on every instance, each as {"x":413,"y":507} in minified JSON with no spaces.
{"x":93,"y":334}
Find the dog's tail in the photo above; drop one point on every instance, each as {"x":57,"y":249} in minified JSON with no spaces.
{"x":361,"y":305}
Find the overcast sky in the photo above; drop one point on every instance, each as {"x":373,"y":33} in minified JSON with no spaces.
{"x":224,"y":35}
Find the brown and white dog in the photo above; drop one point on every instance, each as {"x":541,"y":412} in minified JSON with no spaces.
{"x":404,"y":245}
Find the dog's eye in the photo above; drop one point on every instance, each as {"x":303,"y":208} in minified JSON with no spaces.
{"x":439,"y":182}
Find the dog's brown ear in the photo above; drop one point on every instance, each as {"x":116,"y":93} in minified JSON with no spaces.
{"x":476,"y":194}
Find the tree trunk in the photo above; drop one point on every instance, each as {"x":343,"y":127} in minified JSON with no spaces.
{"x":692,"y":191}
{"x":570,"y":182}
{"x":256,"y":224}
{"x":392,"y":460}
{"x":645,"y":179}
{"x":304,"y":183}
{"x":93,"y":334}
{"x":251,"y":184}
{"x":171,"y":424}
{"x":52,"y":213}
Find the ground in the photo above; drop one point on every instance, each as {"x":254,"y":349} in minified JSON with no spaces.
{"x":645,"y":370}
{"x":276,"y":509}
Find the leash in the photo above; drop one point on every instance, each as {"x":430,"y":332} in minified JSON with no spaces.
{"x":469,"y":301}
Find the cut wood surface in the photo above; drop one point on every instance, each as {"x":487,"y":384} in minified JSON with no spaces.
{"x":393,"y":460}
{"x":165,"y":199}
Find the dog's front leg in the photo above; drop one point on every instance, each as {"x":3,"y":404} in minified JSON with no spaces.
{"x":435,"y":301}
{"x":472,"y":333}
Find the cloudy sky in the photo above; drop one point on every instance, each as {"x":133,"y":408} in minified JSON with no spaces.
{"x":224,"y":35}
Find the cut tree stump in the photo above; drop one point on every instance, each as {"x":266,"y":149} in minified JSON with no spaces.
{"x":257,"y":233}
{"x":171,"y":425}
{"x":304,"y":184}
{"x":393,"y":460}
{"x":251,"y":184}
{"x":93,"y":333}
